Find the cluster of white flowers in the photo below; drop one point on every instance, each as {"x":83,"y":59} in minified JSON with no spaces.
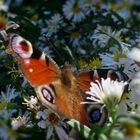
{"x":110,"y":93}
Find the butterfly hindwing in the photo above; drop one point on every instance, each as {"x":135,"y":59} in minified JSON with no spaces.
{"x":84,"y":80}
{"x":86,"y":77}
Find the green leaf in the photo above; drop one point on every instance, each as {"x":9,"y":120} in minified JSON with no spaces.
{"x":3,"y":104}
{"x":130,"y":119}
{"x":112,"y":40}
{"x":86,"y":132}
{"x":69,"y":52}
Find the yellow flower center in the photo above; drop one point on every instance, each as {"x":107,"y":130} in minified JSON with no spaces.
{"x":114,"y":6}
{"x":82,"y":63}
{"x":35,"y":17}
{"x":53,"y":118}
{"x":130,"y":130}
{"x":88,"y":1}
{"x":75,"y":34}
{"x":96,"y":63}
{"x":76,"y":9}
{"x":118,"y":56}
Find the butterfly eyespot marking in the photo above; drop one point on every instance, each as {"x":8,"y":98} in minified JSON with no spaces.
{"x":97,"y":114}
{"x":48,"y":95}
{"x":21,"y":46}
{"x":25,"y":46}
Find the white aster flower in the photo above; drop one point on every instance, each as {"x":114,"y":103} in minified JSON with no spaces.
{"x":75,"y":34}
{"x":91,"y":5}
{"x":103,"y":34}
{"x":99,"y":39}
{"x":17,"y":122}
{"x":21,"y":121}
{"x":53,"y":24}
{"x":31,"y":103}
{"x":74,"y":10}
{"x":75,"y":38}
{"x":107,"y":92}
{"x":10,"y":94}
{"x":52,"y":122}
{"x":121,"y":61}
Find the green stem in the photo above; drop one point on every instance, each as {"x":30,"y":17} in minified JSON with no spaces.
{"x":112,"y":113}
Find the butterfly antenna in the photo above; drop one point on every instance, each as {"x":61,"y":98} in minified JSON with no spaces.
{"x":50,"y":43}
{"x":54,"y":47}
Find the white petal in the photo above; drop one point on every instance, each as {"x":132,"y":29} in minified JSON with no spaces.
{"x":134,"y":54}
{"x":49,"y":133}
{"x":61,"y":133}
{"x":42,"y":124}
{"x":93,"y":99}
{"x":97,"y":90}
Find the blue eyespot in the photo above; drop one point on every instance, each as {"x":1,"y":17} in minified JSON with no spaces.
{"x":95,"y":115}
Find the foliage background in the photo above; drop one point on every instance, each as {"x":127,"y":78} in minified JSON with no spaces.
{"x":88,"y":34}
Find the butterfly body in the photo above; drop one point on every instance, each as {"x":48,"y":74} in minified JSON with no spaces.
{"x":68,"y":96}
{"x":58,"y":89}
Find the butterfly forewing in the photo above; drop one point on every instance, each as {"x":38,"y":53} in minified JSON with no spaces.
{"x":64,"y":95}
{"x":37,"y":67}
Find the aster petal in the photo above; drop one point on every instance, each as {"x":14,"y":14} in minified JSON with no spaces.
{"x":106,"y":86}
{"x":94,"y":99}
{"x":134,"y":54}
{"x":39,"y":114}
{"x":61,"y":133}
{"x":96,"y":89}
{"x":42,"y":124}
{"x":49,"y":133}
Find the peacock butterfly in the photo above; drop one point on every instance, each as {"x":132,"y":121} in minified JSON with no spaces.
{"x":60,"y":89}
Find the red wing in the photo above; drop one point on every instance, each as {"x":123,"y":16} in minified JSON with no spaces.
{"x":38,"y":68}
{"x":38,"y":72}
